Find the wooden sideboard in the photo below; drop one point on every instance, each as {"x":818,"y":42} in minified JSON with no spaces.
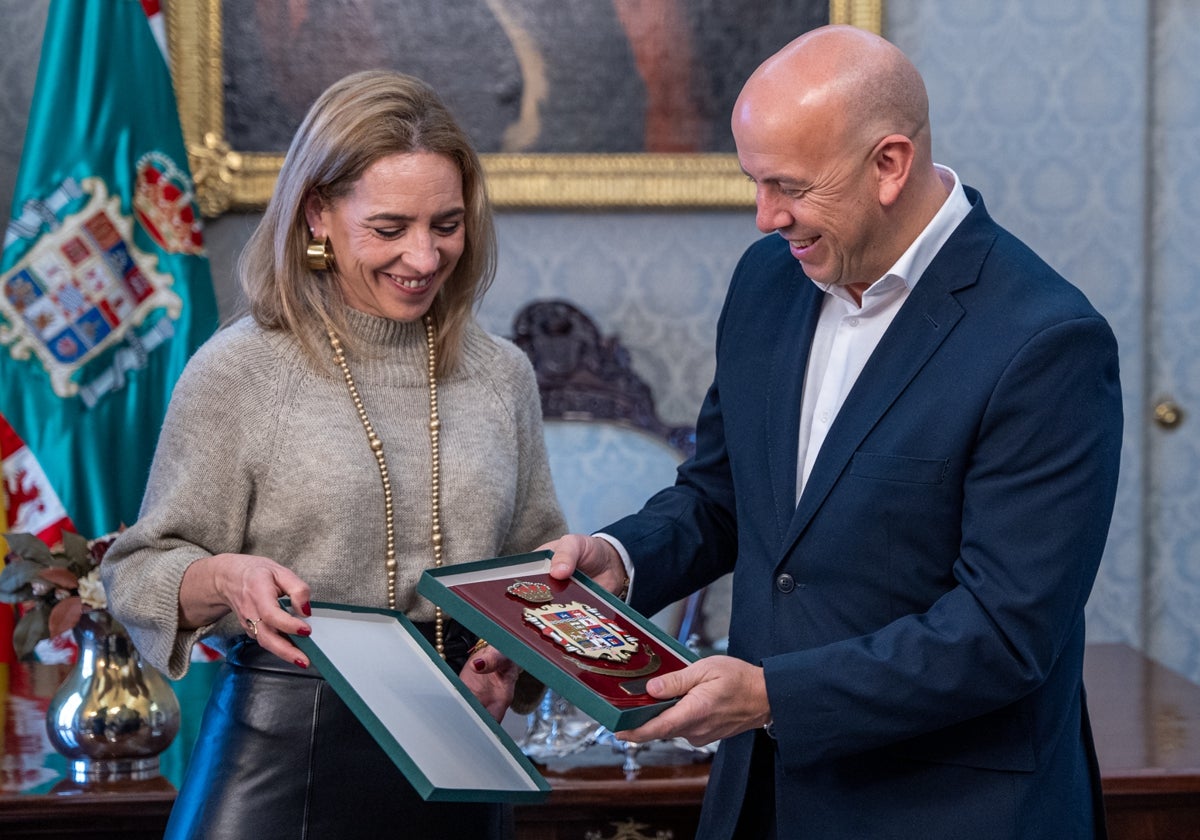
{"x":1146,"y":720}
{"x":593,"y":799}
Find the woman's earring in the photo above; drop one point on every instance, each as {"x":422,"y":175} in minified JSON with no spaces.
{"x":319,"y":256}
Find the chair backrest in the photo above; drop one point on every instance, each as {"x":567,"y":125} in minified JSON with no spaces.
{"x":583,"y":375}
{"x":609,"y":450}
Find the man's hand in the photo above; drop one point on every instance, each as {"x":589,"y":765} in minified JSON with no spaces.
{"x":593,"y":556}
{"x":719,"y":696}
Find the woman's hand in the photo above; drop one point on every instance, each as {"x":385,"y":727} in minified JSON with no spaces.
{"x":491,"y":677}
{"x":250,"y":587}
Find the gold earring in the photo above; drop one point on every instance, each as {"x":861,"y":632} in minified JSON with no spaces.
{"x":319,"y":256}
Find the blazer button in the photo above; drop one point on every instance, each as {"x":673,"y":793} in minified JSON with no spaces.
{"x":785,"y":583}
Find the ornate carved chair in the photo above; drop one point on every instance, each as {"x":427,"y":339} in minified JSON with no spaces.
{"x":609,"y":452}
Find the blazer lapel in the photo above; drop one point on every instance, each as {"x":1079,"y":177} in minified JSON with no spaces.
{"x":788,"y":364}
{"x":920,"y":327}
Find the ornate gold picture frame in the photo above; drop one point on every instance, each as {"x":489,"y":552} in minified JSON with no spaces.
{"x":231,"y":180}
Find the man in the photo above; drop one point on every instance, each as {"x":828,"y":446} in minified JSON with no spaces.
{"x":908,"y":458}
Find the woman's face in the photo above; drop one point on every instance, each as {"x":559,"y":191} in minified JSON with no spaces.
{"x":397,"y":235}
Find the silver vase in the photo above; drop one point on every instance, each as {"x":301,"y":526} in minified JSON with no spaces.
{"x":114,"y":714}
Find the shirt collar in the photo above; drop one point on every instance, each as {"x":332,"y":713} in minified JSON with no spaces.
{"x":920,"y":253}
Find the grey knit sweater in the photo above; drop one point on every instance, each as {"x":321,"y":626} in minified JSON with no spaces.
{"x":263,"y":454}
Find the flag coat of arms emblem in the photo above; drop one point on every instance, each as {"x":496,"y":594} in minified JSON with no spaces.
{"x":79,"y":289}
{"x":105,"y":289}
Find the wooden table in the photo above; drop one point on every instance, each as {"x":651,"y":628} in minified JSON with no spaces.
{"x":38,"y":800}
{"x":592,"y":798}
{"x":1146,"y":721}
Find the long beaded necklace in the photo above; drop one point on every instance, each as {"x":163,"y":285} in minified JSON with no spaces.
{"x":339,"y":355}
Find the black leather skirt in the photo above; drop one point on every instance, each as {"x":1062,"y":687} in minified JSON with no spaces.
{"x":279,"y":755}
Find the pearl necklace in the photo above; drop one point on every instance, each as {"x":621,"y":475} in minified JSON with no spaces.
{"x":339,"y":355}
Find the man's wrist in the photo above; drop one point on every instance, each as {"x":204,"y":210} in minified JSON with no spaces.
{"x":623,"y":562}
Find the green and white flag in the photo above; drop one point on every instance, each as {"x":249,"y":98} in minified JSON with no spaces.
{"x":105,"y":288}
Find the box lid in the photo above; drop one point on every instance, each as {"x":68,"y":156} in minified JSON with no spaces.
{"x":440,"y":736}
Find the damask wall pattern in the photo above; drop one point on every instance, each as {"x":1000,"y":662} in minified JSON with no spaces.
{"x":1173,"y":581}
{"x":1076,"y":119}
{"x":1042,"y":107}
{"x":657,"y":280}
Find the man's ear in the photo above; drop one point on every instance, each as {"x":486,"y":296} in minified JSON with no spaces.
{"x":892,"y":159}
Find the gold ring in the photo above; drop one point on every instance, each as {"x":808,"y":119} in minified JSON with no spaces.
{"x":479,"y":645}
{"x":252,"y":623}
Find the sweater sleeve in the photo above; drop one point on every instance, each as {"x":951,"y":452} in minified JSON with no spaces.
{"x":211,"y":453}
{"x":537,"y":517}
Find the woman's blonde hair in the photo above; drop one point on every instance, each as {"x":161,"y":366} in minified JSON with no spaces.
{"x":355,"y":122}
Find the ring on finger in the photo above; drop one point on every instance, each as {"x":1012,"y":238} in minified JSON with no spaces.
{"x":252,"y":625}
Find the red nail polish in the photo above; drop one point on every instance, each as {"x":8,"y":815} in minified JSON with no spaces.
{"x":478,"y":664}
{"x":306,"y":608}
{"x":304,"y":631}
{"x":300,"y":663}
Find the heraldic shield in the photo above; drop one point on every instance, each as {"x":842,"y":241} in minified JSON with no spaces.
{"x":80,"y":289}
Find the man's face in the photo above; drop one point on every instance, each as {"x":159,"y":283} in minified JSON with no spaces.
{"x":818,"y":191}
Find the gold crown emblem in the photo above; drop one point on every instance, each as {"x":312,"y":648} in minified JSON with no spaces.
{"x":163,"y":202}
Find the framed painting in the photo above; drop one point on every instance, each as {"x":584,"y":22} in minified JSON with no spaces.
{"x":572,"y":103}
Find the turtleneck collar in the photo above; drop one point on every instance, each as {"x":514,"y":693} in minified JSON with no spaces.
{"x":390,"y":352}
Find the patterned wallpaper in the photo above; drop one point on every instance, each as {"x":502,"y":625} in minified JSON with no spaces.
{"x":1076,"y":119}
{"x":1173,"y":341}
{"x":1055,"y":140}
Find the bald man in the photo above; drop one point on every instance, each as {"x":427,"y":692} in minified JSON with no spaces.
{"x":908,"y":459}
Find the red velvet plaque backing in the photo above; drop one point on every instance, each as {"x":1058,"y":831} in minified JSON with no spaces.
{"x":493,"y":599}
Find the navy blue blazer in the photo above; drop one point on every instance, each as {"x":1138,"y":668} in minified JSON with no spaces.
{"x":919,"y":614}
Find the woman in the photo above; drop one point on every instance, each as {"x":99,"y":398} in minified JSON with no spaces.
{"x":355,"y":429}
